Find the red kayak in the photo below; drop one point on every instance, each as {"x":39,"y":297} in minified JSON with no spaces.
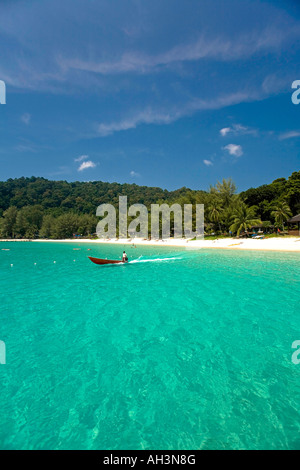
{"x":104,"y":261}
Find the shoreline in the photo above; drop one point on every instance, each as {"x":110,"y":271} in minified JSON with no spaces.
{"x":290,"y":244}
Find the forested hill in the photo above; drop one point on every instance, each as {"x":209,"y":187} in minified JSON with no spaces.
{"x":280,"y":189}
{"x":57,"y":197}
{"x":36,"y":207}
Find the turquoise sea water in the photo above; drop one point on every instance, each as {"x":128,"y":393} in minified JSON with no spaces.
{"x":180,"y":350}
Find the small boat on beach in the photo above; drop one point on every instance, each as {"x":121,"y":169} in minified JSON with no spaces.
{"x":105,"y":261}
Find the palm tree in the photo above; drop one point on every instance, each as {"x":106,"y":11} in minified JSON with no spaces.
{"x":243,"y":218}
{"x":281,"y":212}
{"x":226,"y":189}
{"x":228,"y":211}
{"x":214,"y":212}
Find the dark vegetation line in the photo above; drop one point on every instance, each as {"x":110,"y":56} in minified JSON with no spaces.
{"x":36,"y":207}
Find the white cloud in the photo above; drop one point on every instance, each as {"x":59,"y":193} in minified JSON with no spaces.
{"x":235,"y":150}
{"x":26,"y":148}
{"x":144,"y":117}
{"x":207,"y":162}
{"x":86,"y":165}
{"x":225,"y":131}
{"x":26,"y":117}
{"x":134,"y":174}
{"x":51,"y":67}
{"x":289,"y":135}
{"x":276,"y":83}
{"x":151,"y":116}
{"x":82,"y":157}
{"x":237,"y":129}
{"x":268,"y":40}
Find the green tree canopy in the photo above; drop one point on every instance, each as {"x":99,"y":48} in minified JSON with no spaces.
{"x":243,"y":218}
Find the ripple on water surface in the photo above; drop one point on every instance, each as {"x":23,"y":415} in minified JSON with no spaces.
{"x":176,"y":350}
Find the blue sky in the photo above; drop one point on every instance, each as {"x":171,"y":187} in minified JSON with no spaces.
{"x":162,"y":93}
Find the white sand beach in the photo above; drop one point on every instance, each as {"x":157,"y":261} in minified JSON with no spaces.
{"x":291,"y":244}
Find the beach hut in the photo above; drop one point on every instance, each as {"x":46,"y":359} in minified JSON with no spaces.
{"x":292,"y":224}
{"x":263,"y":228}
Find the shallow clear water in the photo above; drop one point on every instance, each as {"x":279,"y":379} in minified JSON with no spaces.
{"x":189,"y":352}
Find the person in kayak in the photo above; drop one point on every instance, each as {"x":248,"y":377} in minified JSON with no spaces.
{"x":124,"y":257}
